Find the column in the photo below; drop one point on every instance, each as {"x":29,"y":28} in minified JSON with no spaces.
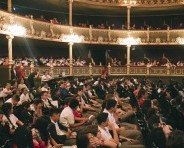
{"x":71,"y":57}
{"x":70,"y":12}
{"x":10,"y":38}
{"x":128,"y":17}
{"x":9,"y":5}
{"x":128,"y":59}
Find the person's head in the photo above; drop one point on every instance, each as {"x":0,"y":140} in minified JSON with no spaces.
{"x":7,"y":109}
{"x":82,"y":141}
{"x":80,"y":91}
{"x":38,"y":103}
{"x":44,"y":84}
{"x":62,"y":85}
{"x":15,"y":100}
{"x":44,"y":95}
{"x":54,"y":114}
{"x":46,"y":72}
{"x":102,"y":119}
{"x":24,"y":91}
{"x":176,"y":139}
{"x":8,"y":86}
{"x":74,"y":103}
{"x":26,"y":105}
{"x":158,"y":138}
{"x":111,"y":105}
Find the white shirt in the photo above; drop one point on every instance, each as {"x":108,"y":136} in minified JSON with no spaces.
{"x":13,"y":120}
{"x":24,"y":98}
{"x":58,"y":130}
{"x":46,"y":77}
{"x":67,"y":117}
{"x":9,"y":101}
{"x":20,"y":86}
{"x":105,"y":133}
{"x":111,"y":118}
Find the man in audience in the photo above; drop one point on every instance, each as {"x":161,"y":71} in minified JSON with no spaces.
{"x":67,"y":117}
{"x":57,"y":131}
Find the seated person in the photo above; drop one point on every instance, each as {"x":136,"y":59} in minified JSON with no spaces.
{"x":46,"y":76}
{"x":14,"y":100}
{"x":10,"y":118}
{"x":56,"y":130}
{"x":131,"y":134}
{"x":24,"y":97}
{"x":104,"y":132}
{"x":67,"y":117}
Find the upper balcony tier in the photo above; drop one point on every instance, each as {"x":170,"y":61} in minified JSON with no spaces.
{"x":52,"y":32}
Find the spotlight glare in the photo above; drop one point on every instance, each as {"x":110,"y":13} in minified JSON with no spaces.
{"x":16,"y":30}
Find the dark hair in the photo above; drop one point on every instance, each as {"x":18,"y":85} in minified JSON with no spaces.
{"x":43,"y":84}
{"x":42,"y":93}
{"x":26,"y":104}
{"x":23,"y":137}
{"x":158,"y":137}
{"x":16,"y":98}
{"x":37,"y":101}
{"x":102,"y":117}
{"x":53,"y":111}
{"x":176,"y":139}
{"x":73,"y":103}
{"x":82,"y":141}
{"x":110,"y":103}
{"x":79,"y":89}
{"x":6,"y":108}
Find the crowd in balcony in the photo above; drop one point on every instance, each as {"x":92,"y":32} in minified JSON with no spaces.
{"x":91,"y":112}
{"x":50,"y":62}
{"x":135,"y":26}
{"x":54,"y":62}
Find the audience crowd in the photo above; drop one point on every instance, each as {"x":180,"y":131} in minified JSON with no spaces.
{"x":91,"y":112}
{"x":51,"y":62}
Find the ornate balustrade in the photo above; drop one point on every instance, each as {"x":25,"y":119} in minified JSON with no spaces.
{"x":113,"y":71}
{"x":47,"y":31}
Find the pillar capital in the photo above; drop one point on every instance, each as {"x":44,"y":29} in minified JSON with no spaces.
{"x":128,"y":7}
{"x":9,"y":37}
{"x":70,"y":43}
{"x":70,"y":1}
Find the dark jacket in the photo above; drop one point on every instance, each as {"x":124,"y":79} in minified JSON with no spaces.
{"x":53,"y":133}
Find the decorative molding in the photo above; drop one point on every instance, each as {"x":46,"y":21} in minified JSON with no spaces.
{"x":133,"y":3}
{"x":54,"y":32}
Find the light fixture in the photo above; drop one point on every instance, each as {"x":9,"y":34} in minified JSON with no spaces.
{"x":180,"y":40}
{"x":129,"y":41}
{"x":72,"y":38}
{"x":15,"y":30}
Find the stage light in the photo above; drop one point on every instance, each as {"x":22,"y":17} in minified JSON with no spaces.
{"x":129,"y":41}
{"x":16,"y":30}
{"x":72,"y":38}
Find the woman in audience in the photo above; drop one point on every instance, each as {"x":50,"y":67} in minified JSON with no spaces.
{"x":22,"y":85}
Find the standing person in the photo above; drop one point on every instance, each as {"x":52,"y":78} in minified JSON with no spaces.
{"x":30,"y":79}
{"x":21,"y":73}
{"x":13,"y":73}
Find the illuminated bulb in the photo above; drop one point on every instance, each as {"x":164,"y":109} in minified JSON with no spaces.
{"x":16,"y":30}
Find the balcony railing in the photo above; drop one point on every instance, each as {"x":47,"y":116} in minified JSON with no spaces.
{"x":52,"y":32}
{"x":113,"y":71}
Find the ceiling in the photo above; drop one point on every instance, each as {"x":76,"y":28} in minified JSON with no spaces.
{"x":61,"y":6}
